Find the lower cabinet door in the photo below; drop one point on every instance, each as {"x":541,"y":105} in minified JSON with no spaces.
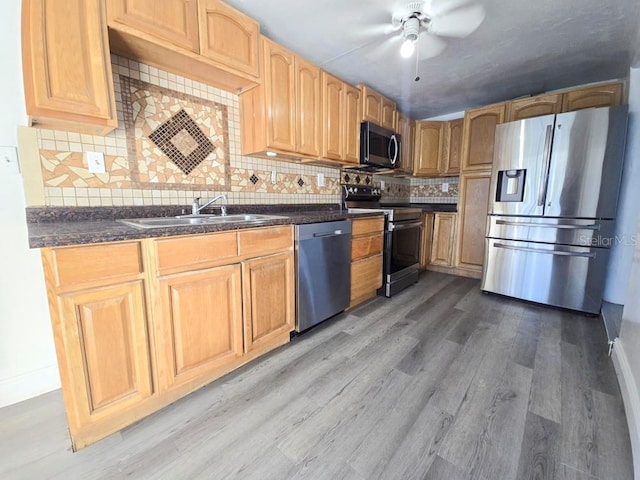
{"x":201,"y":322}
{"x":268,"y":300}
{"x":104,"y":337}
{"x":366,"y":278}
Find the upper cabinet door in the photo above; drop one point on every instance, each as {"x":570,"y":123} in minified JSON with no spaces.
{"x":608,"y":95}
{"x":332,"y":98}
{"x":534,"y":107}
{"x":388,"y":116}
{"x":452,"y":148}
{"x":371,"y":105}
{"x":175,"y":21}
{"x":67,"y":65}
{"x":309,"y":109}
{"x":351,"y":118}
{"x":407,"y":130}
{"x":280,"y":93}
{"x":478,"y":135}
{"x":428,"y":149}
{"x":229,"y":37}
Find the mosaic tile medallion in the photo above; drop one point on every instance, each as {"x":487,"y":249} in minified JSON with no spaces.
{"x":175,"y":141}
{"x":182,"y":141}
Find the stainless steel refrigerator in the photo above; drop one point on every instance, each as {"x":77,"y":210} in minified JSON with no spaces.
{"x":552,"y":207}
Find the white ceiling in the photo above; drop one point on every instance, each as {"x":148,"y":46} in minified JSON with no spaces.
{"x":523,"y":47}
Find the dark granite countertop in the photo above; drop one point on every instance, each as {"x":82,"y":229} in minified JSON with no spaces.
{"x":59,"y":226}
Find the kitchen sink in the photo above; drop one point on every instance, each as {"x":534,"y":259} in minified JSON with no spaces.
{"x":188,"y":220}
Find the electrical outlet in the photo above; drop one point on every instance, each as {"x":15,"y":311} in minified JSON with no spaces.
{"x":445,"y":187}
{"x":381,"y":184}
{"x":321,"y":179}
{"x":9,"y":160}
{"x":274,"y":177}
{"x":96,"y":162}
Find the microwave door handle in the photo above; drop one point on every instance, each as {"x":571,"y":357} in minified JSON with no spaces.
{"x":393,"y":141}
{"x":544,"y":177}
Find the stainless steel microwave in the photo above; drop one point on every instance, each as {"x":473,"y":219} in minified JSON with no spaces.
{"x":379,"y":147}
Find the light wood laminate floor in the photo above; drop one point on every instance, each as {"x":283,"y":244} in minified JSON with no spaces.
{"x":439,"y":382}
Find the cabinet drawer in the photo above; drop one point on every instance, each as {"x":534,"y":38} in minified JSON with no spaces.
{"x":362,"y":226}
{"x":366,"y":276}
{"x":362,"y":247}
{"x":78,"y":265}
{"x":191,"y":253}
{"x":265,"y":240}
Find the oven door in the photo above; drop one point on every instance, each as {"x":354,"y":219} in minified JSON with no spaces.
{"x":403,"y":247}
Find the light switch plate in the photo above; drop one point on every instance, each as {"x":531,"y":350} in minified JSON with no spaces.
{"x":445,"y":187}
{"x":321,"y":179}
{"x":274,"y":177}
{"x":9,"y":160}
{"x":96,"y":162}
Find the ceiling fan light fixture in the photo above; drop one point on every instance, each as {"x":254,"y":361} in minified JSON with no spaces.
{"x":407,"y":48}
{"x":410,"y":32}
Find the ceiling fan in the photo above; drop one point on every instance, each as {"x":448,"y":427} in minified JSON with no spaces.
{"x":423,"y":22}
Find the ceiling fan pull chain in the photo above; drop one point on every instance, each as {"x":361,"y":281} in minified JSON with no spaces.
{"x":417,"y":79}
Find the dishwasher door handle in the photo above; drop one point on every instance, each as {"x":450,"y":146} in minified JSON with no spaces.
{"x":335,"y":233}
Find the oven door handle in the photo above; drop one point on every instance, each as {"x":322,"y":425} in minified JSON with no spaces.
{"x":404,"y":226}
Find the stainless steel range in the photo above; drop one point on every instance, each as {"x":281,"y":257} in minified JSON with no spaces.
{"x":403,"y":228}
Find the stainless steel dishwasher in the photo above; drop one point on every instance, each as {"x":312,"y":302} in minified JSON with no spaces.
{"x":323,"y":264}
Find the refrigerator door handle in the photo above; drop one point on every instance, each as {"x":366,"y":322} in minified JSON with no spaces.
{"x":594,"y":226}
{"x":544,"y":180}
{"x":542,"y":250}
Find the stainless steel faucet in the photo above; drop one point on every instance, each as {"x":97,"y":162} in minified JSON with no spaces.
{"x":196,"y":207}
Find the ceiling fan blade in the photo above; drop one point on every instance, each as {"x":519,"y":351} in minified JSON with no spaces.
{"x":430,"y":46}
{"x":437,"y":8}
{"x":458,"y":23}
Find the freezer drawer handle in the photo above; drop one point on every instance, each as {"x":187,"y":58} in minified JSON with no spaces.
{"x":542,"y":193}
{"x":542,"y":250}
{"x":549,"y":225}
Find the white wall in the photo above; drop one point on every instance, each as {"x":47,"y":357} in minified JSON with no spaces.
{"x":626,"y":350}
{"x":629,"y":203}
{"x":28,"y":365}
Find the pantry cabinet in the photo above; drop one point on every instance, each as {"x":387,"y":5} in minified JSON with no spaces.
{"x":67,"y":66}
{"x":478,"y":136}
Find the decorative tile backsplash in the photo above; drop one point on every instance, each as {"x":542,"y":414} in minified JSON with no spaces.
{"x":177,"y":139}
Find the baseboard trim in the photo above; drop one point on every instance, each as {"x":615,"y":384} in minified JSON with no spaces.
{"x":29,"y":385}
{"x":631,"y":399}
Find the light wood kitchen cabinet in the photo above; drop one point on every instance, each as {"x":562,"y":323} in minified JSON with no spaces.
{"x":67,"y":66}
{"x":407,"y":131}
{"x":605,"y":95}
{"x":200,"y":323}
{"x":268,"y":112}
{"x":228,"y":36}
{"x":478,"y":136}
{"x":206,"y":40}
{"x":175,"y":21}
{"x":268,"y":300}
{"x":472,"y":220}
{"x":352,"y":115}
{"x":388,"y":116}
{"x":340,"y":120}
{"x":442,"y":246}
{"x":451,"y":148}
{"x":100,"y":323}
{"x":308,"y":108}
{"x":534,"y":106}
{"x":428,"y":148}
{"x":426,"y":239}
{"x":377,"y":108}
{"x":367,"y":238}
{"x":139,"y":324}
